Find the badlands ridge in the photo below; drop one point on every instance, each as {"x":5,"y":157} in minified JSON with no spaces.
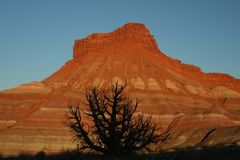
{"x":32,"y":115}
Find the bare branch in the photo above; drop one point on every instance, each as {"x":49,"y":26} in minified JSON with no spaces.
{"x":115,"y":128}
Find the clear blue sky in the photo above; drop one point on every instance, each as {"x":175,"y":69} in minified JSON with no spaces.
{"x":36,"y":37}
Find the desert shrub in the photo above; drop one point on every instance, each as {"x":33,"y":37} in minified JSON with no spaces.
{"x":116,"y":128}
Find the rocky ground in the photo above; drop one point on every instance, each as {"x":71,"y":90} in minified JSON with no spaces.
{"x":231,"y":152}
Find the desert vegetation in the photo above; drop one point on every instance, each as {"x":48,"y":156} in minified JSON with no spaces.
{"x":116,"y":128}
{"x":207,"y":153}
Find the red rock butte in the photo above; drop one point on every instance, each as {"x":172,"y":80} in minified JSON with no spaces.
{"x":32,"y":114}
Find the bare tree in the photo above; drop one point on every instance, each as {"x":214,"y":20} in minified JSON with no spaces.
{"x":116,"y":128}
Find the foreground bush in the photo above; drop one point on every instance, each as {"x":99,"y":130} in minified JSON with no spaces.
{"x":116,"y":128}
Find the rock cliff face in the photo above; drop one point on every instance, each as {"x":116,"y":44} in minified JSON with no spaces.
{"x":138,"y":33}
{"x":32,"y":115}
{"x":129,"y":32}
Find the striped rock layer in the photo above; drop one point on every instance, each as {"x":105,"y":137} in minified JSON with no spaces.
{"x":32,"y":115}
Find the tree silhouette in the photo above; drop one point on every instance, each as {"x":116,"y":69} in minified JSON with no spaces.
{"x":115,"y":127}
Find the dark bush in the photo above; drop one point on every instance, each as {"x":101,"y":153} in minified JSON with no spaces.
{"x":116,"y":128}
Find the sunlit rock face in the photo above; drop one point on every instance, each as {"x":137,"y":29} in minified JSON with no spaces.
{"x":32,"y":115}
